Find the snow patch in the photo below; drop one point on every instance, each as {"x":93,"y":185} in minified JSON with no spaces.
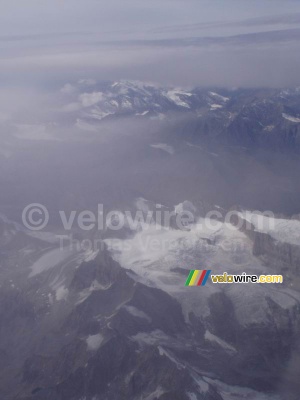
{"x":163,"y":146}
{"x":291,"y":118}
{"x":61,"y":293}
{"x":85,"y":294}
{"x":203,"y":386}
{"x":114,"y":103}
{"x":218,"y":96}
{"x":126,"y":104}
{"x":229,"y":392}
{"x":175,"y":97}
{"x":212,"y":338}
{"x":91,"y":255}
{"x":186,"y":206}
{"x":137,"y":313}
{"x":151,"y":338}
{"x":282,"y":230}
{"x":156,"y":394}
{"x":163,"y":352}
{"x":94,"y":342}
{"x":49,"y":260}
{"x":215,"y":106}
{"x":98,"y":114}
{"x":143,"y":113}
{"x":269,"y":128}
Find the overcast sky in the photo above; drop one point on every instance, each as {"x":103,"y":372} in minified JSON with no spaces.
{"x":176,"y":42}
{"x":41,"y":16}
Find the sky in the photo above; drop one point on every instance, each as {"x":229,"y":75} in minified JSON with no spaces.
{"x":170,"y":42}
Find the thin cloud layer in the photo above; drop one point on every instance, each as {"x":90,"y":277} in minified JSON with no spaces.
{"x":187,"y":43}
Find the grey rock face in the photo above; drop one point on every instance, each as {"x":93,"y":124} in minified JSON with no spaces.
{"x":253,"y":118}
{"x":115,"y":338}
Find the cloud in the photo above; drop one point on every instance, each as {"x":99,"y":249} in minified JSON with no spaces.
{"x":258,"y":22}
{"x":68,"y":89}
{"x":187,"y":43}
{"x":89,"y":99}
{"x":268,"y":59}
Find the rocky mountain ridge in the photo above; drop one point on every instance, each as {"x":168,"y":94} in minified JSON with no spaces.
{"x":265,"y":118}
{"x":85,"y":327}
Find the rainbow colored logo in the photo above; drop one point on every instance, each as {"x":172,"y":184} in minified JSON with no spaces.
{"x":198,"y":277}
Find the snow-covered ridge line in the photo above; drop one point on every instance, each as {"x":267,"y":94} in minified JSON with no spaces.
{"x":98,"y":101}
